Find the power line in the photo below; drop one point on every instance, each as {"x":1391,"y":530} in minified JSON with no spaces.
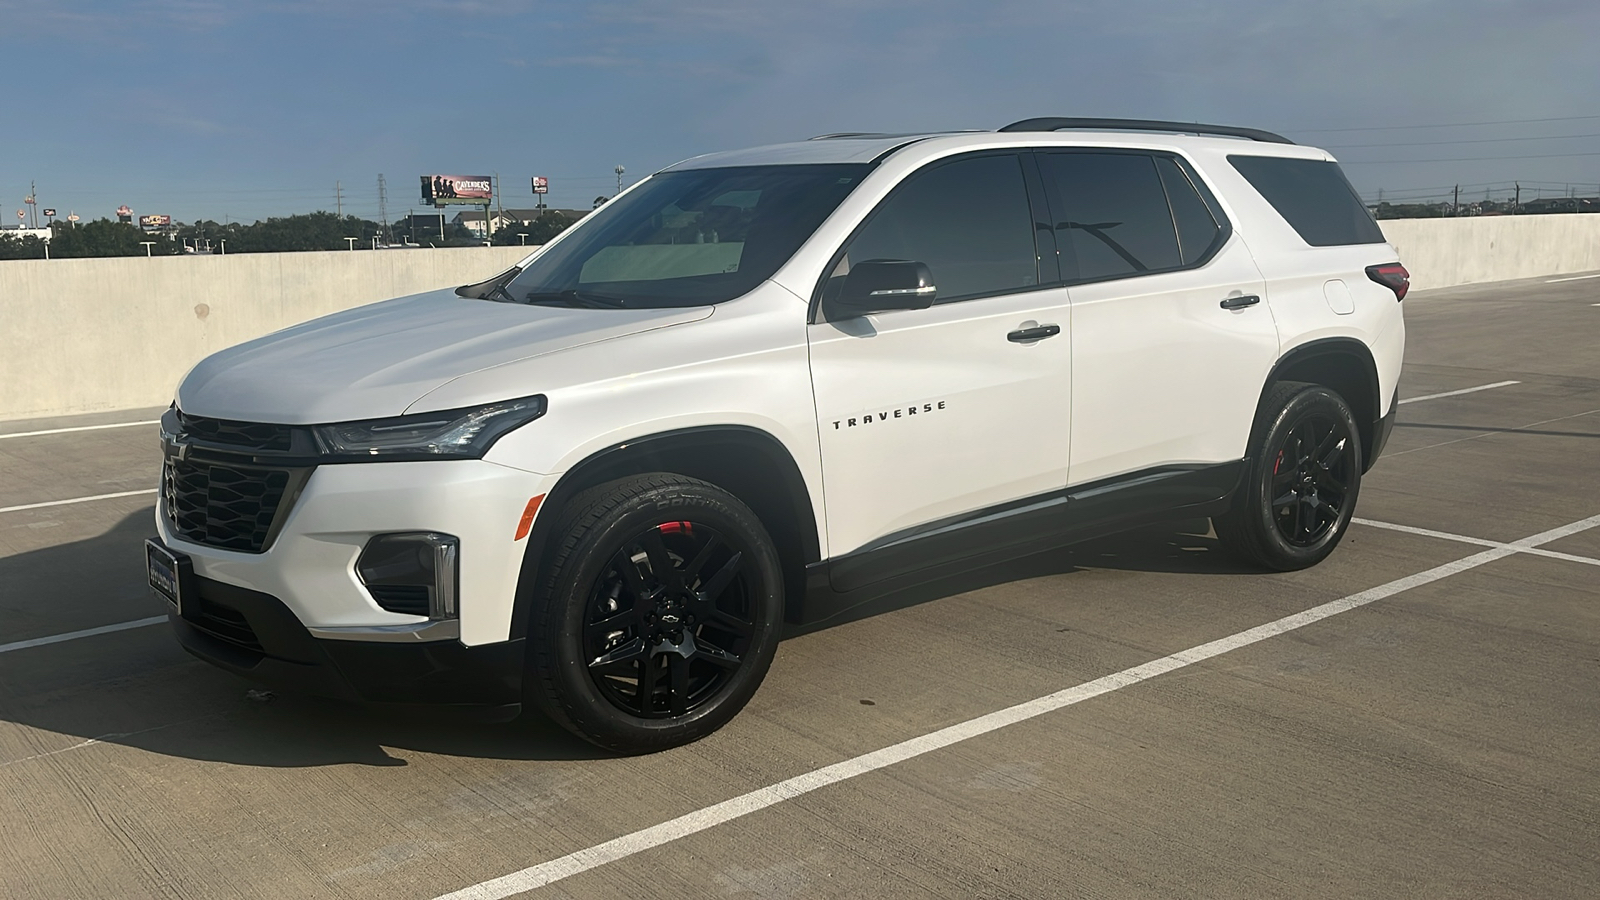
{"x":1444,"y":125}
{"x":1371,"y":162}
{"x":1553,"y":137}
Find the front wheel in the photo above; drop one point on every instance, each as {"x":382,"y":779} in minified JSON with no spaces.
{"x":1305,"y":474}
{"x":658,"y":616}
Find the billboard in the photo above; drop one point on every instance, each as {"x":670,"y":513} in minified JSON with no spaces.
{"x":541,"y":184}
{"x":148,"y":222}
{"x":124,"y":214}
{"x":442,"y":190}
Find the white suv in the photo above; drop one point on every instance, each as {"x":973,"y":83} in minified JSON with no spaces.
{"x":767,"y":385}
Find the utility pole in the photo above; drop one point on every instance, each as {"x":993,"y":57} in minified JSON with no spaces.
{"x":1516,"y":200}
{"x":1455,"y":205}
{"x":383,"y":211}
{"x":619,"y":171}
{"x":338,"y":199}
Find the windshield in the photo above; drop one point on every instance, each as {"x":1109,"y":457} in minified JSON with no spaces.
{"x":686,"y":238}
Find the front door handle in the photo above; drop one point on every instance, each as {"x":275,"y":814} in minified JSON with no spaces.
{"x":1036,"y":333}
{"x":1241,"y":302}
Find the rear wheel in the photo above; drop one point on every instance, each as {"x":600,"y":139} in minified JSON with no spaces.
{"x":659,"y":615}
{"x":1305,"y":474}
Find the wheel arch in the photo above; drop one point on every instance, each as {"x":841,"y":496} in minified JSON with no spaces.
{"x":1346,"y":366}
{"x":749,"y":463}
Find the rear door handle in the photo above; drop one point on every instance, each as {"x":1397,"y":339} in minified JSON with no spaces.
{"x":1241,"y":302}
{"x":1036,"y":333}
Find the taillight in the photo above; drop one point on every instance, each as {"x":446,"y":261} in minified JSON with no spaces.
{"x":1392,"y":276}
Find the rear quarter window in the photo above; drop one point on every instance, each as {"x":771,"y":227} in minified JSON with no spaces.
{"x":1314,"y":197}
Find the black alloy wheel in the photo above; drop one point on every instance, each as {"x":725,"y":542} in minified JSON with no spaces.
{"x":1311,"y":479}
{"x":1304,"y":476}
{"x":669,"y":621}
{"x":658,"y":615}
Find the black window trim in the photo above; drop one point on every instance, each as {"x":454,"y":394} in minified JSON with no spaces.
{"x":1220,"y":240}
{"x":1035,"y":193}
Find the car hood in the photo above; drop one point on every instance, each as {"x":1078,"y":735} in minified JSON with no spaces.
{"x":375,"y":361}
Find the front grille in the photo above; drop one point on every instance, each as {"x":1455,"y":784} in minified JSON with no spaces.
{"x":244,"y":435}
{"x":219,"y":505}
{"x":225,"y":624}
{"x":409,"y":599}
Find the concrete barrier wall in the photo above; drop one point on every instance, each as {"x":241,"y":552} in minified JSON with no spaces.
{"x":81,"y":335}
{"x":1446,"y":252}
{"x":84,"y":335}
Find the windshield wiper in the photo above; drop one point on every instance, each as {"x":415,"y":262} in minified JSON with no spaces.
{"x":574,"y":298}
{"x":499,"y":294}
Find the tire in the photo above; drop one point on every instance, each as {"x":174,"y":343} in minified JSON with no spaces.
{"x":658,"y":614}
{"x":1304,"y":477}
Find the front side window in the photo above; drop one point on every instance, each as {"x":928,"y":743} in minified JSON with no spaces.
{"x":1115,"y":215}
{"x":687,"y":238}
{"x":967,"y":220}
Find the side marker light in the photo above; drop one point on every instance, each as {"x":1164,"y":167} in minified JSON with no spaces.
{"x":524,"y":526}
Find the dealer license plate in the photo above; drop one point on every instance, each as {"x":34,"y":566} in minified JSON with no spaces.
{"x":165,"y":570}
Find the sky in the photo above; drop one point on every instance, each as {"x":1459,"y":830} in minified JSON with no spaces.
{"x":203,"y":109}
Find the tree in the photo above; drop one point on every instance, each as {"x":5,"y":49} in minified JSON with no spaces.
{"x":320,"y":230}
{"x":539,"y":231}
{"x":103,"y":237}
{"x":25,"y":247}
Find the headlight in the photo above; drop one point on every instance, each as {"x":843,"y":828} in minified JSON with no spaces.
{"x":450,"y":434}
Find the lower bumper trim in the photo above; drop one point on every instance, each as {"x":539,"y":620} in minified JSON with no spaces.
{"x":441,"y":630}
{"x":255,"y":635}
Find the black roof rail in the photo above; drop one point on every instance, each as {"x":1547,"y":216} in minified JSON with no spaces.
{"x":847,"y":135}
{"x":1057,"y":123}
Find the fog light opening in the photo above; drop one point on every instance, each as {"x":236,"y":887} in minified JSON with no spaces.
{"x":414,"y":573}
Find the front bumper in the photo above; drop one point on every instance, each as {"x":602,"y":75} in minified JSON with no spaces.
{"x":257,"y":636}
{"x":309,"y":567}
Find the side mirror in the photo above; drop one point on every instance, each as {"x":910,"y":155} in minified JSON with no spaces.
{"x":879,"y":285}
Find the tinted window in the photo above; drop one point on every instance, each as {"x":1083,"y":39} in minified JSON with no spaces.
{"x":1117,"y":220}
{"x":688,"y":238}
{"x":968,"y":220}
{"x":1313,"y":197}
{"x":1197,"y":228}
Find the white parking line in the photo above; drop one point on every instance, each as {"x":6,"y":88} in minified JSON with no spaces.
{"x":74,"y":635}
{"x":6,"y":509}
{"x":1470,"y":390}
{"x":1571,"y":278}
{"x":1461,"y":538}
{"x":23,"y":434}
{"x":702,"y":819}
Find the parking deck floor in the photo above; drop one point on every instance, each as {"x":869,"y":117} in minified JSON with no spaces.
{"x":1134,"y":717}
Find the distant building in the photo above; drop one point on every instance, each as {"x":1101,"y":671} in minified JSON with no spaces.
{"x":472,"y":220}
{"x":18,"y":232}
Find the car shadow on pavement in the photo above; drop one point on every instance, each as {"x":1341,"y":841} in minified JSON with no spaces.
{"x":139,"y":689}
{"x":1182,"y":547}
